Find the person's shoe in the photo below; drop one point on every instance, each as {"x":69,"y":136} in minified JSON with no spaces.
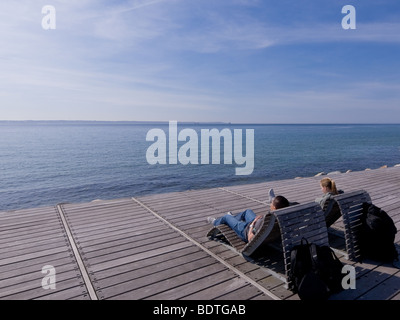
{"x":230,"y":213}
{"x":211,"y":220}
{"x":271,"y":195}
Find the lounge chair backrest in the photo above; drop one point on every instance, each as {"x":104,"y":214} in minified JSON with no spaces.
{"x":268,"y":232}
{"x":298,"y":222}
{"x":332,"y":212}
{"x":350,"y":205}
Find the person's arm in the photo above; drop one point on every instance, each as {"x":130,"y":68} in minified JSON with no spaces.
{"x":322,"y":200}
{"x":250,"y":234}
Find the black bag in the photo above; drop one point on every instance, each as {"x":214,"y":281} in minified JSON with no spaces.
{"x":315,"y":271}
{"x":329,"y":268}
{"x":377,"y":234}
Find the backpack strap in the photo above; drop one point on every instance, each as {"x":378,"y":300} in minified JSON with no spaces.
{"x":304,"y":241}
{"x":314,"y":255}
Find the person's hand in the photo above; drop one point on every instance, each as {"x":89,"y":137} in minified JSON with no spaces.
{"x":250,"y":235}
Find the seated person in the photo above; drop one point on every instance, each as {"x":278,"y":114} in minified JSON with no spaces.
{"x":328,"y":187}
{"x":247,"y":223}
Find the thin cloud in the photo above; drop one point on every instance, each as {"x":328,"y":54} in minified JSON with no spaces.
{"x":328,"y":33}
{"x":135,"y":5}
{"x":190,"y":60}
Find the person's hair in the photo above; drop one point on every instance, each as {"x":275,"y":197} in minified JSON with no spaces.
{"x":280,"y":202}
{"x":329,"y":183}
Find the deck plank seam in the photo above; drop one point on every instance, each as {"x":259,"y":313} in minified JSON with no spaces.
{"x":79,"y":260}
{"x":243,"y":196}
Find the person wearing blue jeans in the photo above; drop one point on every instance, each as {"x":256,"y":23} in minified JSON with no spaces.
{"x":238,"y":223}
{"x":247,"y":223}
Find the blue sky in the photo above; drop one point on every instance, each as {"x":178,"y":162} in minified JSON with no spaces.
{"x":241,"y":61}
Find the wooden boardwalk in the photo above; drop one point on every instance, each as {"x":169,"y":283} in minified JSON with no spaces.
{"x":155,"y":247}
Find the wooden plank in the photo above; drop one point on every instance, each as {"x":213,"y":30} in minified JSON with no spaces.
{"x":127,"y":291}
{"x":138,"y":256}
{"x":105,"y":259}
{"x":218,"y":289}
{"x":64,"y":289}
{"x":168,"y":258}
{"x":32,"y":255}
{"x":140,"y":276}
{"x":136,"y":244}
{"x":243,"y":293}
{"x":368,"y":286}
{"x":111,"y":238}
{"x":195,"y":288}
{"x":30,"y":240}
{"x":19,"y":279}
{"x":26,"y":288}
{"x":31,"y":268}
{"x":387,"y":289}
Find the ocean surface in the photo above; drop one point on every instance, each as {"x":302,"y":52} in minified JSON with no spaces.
{"x":45,"y":163}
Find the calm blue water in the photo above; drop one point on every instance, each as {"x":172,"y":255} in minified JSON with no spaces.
{"x":45,"y":163}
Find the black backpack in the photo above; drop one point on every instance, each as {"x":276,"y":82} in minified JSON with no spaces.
{"x":377,"y":234}
{"x":315,"y":271}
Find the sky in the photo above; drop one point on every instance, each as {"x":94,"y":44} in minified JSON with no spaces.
{"x":239,"y":61}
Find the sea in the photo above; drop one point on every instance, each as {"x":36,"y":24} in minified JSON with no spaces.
{"x":43,"y":163}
